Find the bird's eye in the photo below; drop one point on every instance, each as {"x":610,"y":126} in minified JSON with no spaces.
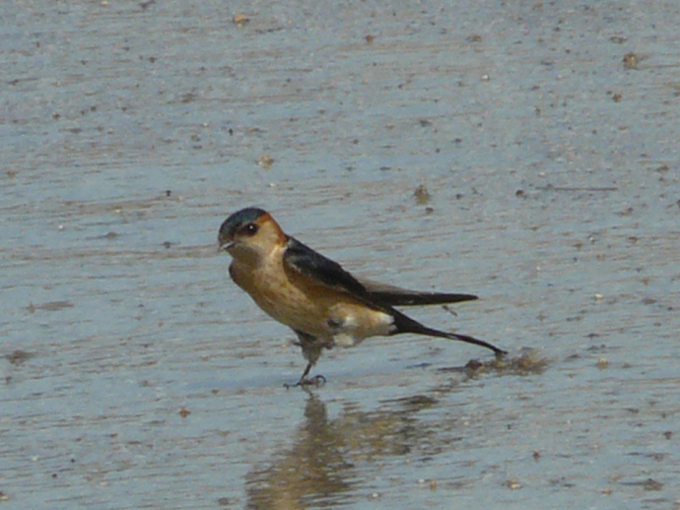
{"x":250,"y":229}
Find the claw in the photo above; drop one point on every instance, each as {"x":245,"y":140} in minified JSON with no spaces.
{"x":316,"y":381}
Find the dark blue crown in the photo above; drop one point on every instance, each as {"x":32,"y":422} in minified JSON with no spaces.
{"x":239,"y":218}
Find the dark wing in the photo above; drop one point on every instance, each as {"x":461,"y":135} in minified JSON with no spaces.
{"x":309,"y":263}
{"x":397,"y":296}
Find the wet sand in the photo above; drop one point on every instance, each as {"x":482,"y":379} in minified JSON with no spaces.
{"x":543,"y":140}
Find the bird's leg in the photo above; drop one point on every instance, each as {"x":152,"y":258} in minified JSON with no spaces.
{"x":311,"y":350}
{"x":304,"y":375}
{"x":317,"y":380}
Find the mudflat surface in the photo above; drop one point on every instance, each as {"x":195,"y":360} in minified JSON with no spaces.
{"x":545,"y":136}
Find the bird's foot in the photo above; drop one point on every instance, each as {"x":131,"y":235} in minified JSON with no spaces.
{"x":316,"y":381}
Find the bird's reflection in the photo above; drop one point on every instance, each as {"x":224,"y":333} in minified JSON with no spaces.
{"x":327,"y":461}
{"x":318,"y":470}
{"x":313,"y":468}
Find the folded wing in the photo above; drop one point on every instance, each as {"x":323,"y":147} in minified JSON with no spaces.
{"x":312,"y":264}
{"x":392,"y":295}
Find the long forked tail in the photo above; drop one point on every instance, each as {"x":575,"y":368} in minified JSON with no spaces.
{"x":405,"y":324}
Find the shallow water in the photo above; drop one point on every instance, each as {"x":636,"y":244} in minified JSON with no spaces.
{"x":136,"y":375}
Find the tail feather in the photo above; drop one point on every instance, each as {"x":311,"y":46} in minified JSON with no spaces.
{"x":405,"y":324}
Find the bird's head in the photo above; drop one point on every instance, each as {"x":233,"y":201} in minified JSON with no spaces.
{"x":250,"y":234}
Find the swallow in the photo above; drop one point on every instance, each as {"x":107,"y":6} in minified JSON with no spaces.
{"x":313,"y":295}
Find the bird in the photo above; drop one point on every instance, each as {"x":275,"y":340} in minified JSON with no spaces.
{"x":325,"y":305}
